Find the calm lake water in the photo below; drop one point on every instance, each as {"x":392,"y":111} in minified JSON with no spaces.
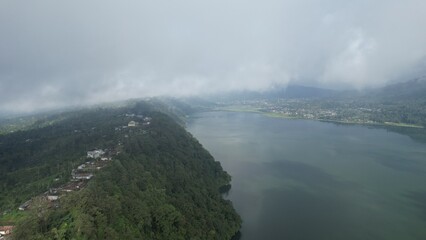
{"x":300,"y":179}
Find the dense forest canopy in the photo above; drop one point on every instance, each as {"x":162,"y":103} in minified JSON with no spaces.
{"x":160,"y":184}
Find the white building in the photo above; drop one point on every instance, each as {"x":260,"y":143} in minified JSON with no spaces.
{"x":25,"y":205}
{"x":83,"y":176}
{"x":131,"y":124}
{"x":6,"y":230}
{"x":95,"y":153}
{"x":52,"y":197}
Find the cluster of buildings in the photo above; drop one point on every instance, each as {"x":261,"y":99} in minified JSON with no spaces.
{"x":143,"y":121}
{"x":79,"y":177}
{"x":347,"y":111}
{"x":96,"y":153}
{"x":97,"y":159}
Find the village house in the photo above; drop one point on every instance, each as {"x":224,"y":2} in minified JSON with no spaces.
{"x":73,"y":186}
{"x":52,"y":197}
{"x":6,"y":230}
{"x":25,"y":205}
{"x":82,"y":176}
{"x":95,"y":153}
{"x":132,"y":124}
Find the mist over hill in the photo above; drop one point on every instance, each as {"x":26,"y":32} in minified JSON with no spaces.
{"x":412,"y":90}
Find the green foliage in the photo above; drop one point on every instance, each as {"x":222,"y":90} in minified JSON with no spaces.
{"x":163,"y":184}
{"x":31,"y":160}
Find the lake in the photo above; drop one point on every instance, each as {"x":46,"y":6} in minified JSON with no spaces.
{"x":301,"y":179}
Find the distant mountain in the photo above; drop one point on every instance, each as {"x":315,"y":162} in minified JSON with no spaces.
{"x":296,"y":91}
{"x":291,"y":91}
{"x":414,"y":89}
{"x":411,"y":90}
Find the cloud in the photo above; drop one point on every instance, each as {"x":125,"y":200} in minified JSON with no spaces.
{"x":59,"y":53}
{"x":350,"y":65}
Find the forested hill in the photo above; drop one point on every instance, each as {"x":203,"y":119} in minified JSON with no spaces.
{"x":160,"y":184}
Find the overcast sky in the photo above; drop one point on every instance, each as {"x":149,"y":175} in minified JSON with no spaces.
{"x":59,"y":53}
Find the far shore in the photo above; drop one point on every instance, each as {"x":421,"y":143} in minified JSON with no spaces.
{"x":285,"y":116}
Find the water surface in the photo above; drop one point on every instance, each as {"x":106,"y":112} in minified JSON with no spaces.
{"x":300,"y":179}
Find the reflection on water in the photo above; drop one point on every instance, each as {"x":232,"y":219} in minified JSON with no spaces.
{"x":417,"y":134}
{"x":309,"y":175}
{"x":297,"y":179}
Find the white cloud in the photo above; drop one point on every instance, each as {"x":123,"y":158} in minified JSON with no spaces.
{"x":351,"y":66}
{"x":56,"y":53}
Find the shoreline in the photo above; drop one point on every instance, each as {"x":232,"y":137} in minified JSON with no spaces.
{"x":279,"y":115}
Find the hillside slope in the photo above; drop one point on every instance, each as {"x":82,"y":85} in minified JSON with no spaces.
{"x":162,"y":184}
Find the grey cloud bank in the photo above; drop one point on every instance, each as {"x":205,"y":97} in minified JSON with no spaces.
{"x":60,"y":53}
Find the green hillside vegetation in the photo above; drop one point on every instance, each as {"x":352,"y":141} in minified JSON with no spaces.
{"x":163,"y":184}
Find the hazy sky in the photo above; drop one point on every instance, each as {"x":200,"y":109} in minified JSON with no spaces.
{"x":58,"y":53}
